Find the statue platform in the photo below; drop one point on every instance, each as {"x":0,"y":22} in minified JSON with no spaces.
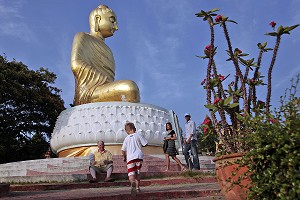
{"x":79,"y":128}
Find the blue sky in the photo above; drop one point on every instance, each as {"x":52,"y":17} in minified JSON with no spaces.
{"x":156,"y":44}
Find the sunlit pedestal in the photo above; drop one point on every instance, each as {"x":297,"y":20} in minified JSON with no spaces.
{"x":79,"y":128}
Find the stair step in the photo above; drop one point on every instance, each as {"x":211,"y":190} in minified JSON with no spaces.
{"x":63,"y":178}
{"x":76,"y":168}
{"x":188,"y":190}
{"x":81,"y":185}
{"x":52,"y":178}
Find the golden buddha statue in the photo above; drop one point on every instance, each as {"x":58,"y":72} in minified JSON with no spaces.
{"x":93,"y":63}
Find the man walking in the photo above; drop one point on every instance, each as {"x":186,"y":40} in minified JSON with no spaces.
{"x":190,"y":143}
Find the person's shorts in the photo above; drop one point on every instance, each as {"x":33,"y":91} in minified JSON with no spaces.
{"x":100,"y":169}
{"x":134,"y":166}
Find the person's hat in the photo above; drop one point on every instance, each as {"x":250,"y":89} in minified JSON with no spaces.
{"x":187,"y":114}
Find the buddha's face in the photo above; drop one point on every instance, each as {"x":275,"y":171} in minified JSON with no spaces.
{"x":108,"y":24}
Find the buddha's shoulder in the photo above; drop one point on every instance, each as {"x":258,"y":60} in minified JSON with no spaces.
{"x":82,"y":35}
{"x":85,"y":38}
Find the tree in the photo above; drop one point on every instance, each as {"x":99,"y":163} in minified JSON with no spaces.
{"x":29,"y":106}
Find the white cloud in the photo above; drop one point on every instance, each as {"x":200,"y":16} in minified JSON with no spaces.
{"x":159,"y":55}
{"x":285,"y":79}
{"x":12,"y":23}
{"x":65,"y":79}
{"x":10,"y":10}
{"x":155,"y":61}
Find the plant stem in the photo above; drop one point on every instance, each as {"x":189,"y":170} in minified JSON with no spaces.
{"x":252,"y":90}
{"x":237,"y":68}
{"x":270,"y":73}
{"x":209,"y":68}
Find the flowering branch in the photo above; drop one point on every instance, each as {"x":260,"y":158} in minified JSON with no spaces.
{"x":226,"y":103}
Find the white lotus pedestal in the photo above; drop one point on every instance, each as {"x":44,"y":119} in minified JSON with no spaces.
{"x":78,"y":129}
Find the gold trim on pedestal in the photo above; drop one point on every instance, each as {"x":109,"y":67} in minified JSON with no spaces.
{"x":114,"y":149}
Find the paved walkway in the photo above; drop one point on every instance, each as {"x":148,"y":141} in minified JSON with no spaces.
{"x":191,"y":190}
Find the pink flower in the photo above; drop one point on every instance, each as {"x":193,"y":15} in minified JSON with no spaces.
{"x":217,"y":100}
{"x":243,"y":114}
{"x":272,"y":120}
{"x":239,"y":51}
{"x":273,"y":24}
{"x":202,"y":83}
{"x":206,"y":121}
{"x":218,"y":18}
{"x":221,"y":77}
{"x":207,"y":47}
{"x":205,"y":129}
{"x":251,"y":80}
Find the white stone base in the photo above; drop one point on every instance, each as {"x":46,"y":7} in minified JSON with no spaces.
{"x":86,"y":124}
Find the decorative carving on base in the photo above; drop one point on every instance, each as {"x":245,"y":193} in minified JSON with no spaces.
{"x":80,"y":127}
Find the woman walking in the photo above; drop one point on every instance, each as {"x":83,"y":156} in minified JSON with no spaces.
{"x":171,"y":148}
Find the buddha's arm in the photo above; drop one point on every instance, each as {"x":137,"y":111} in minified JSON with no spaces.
{"x":87,"y":77}
{"x":90,"y":55}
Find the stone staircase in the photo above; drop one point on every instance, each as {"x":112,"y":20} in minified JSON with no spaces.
{"x":205,"y":188}
{"x":67,"y":178}
{"x":75,"y":169}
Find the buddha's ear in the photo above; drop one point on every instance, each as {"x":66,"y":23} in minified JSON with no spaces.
{"x":97,"y":22}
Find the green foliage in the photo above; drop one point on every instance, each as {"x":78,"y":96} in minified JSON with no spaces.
{"x":274,"y":158}
{"x":206,"y":141}
{"x":283,"y":30}
{"x":29,"y":106}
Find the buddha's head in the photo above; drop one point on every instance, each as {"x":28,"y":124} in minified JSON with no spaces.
{"x":104,"y":21}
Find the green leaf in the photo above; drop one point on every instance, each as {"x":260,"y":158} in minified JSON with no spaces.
{"x":228,"y":100}
{"x":280,"y":30}
{"x":230,"y":89}
{"x":210,"y":106}
{"x":268,"y":49}
{"x":201,"y":14}
{"x":214,"y":82}
{"x":232,"y":21}
{"x":240,"y":117}
{"x":214,"y":110}
{"x":214,"y":10}
{"x":289,"y":28}
{"x":271,"y":34}
{"x":203,"y":57}
{"x":286,"y":32}
{"x":264,"y":44}
{"x":259,"y":45}
{"x":233,"y":105}
{"x":244,"y":62}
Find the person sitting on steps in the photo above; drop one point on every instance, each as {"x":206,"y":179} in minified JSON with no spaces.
{"x":100,"y":162}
